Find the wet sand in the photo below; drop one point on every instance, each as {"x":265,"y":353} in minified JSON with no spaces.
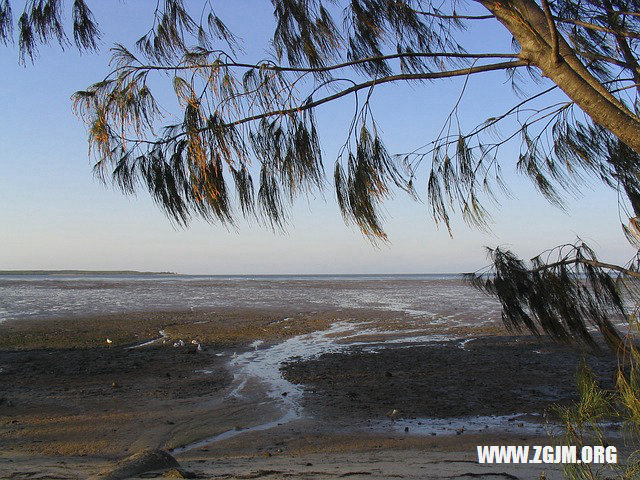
{"x":70,"y":405}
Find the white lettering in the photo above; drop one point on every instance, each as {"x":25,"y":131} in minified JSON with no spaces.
{"x":587,"y":454}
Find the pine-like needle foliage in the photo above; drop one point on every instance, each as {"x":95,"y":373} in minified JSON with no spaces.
{"x":257,"y":119}
{"x":245,"y":141}
{"x":237,"y":113}
{"x":42,"y":21}
{"x":561,"y":293}
{"x":585,"y":423}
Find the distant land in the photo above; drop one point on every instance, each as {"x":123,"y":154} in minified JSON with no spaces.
{"x":81,"y":272}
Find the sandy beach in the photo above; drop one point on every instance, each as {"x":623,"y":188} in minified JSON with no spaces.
{"x":71,"y":405}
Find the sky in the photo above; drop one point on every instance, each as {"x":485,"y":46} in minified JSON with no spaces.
{"x":56,"y":215}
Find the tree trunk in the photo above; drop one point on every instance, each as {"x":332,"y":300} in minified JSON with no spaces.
{"x":527,"y":23}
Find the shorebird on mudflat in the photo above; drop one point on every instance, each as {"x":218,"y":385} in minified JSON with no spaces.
{"x":109,"y":341}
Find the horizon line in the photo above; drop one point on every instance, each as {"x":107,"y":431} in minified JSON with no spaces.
{"x":139,"y":272}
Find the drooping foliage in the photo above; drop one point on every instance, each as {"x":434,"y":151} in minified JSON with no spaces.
{"x":42,"y":21}
{"x":245,"y":140}
{"x":562,"y":292}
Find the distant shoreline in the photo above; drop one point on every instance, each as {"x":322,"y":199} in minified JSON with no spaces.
{"x":363,"y":276}
{"x":81,"y":272}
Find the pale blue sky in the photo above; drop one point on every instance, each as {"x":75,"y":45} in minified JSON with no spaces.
{"x":56,"y":216}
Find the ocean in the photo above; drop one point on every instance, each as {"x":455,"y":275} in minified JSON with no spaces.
{"x":443,"y":297}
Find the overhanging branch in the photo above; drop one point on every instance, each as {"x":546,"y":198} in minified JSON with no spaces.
{"x":328,"y":68}
{"x":455,"y":17}
{"x":353,"y":89}
{"x":598,"y":28}
{"x":592,"y":263}
{"x":383,"y":80}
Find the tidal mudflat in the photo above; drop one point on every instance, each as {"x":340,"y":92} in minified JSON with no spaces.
{"x":279,"y":392}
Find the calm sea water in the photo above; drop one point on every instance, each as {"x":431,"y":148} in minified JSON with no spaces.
{"x":433,"y":296}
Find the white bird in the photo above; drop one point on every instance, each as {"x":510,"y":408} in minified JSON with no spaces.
{"x":162,"y":333}
{"x":109,"y":341}
{"x":199,"y":348}
{"x":194,"y":342}
{"x":392,"y":414}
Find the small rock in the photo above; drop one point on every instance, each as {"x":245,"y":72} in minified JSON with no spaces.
{"x":136,"y":464}
{"x":179,"y":473}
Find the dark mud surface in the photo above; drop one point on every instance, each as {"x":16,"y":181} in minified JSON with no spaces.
{"x":488,"y":376}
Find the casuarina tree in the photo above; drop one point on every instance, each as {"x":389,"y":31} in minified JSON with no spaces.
{"x":247,"y":142}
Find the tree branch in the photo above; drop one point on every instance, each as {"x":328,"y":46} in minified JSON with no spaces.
{"x":598,"y":28}
{"x":279,"y":68}
{"x":604,"y":58}
{"x":389,"y":79}
{"x":553,"y":31}
{"x":622,"y":42}
{"x":526,"y":21}
{"x":455,"y":17}
{"x":355,"y":88}
{"x":592,"y":263}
